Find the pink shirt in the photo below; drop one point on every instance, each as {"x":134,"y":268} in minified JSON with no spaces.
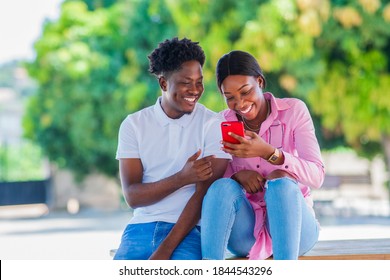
{"x":289,"y":128}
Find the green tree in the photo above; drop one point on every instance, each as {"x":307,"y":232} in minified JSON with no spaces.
{"x":352,"y":90}
{"x":91,"y":67}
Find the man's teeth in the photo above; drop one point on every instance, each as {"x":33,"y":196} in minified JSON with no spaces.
{"x":190,"y":99}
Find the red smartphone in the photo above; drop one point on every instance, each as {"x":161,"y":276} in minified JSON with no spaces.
{"x":236,"y":127}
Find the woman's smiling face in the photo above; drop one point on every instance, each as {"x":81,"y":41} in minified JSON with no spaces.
{"x":243,"y":94}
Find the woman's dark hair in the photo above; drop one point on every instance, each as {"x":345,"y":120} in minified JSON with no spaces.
{"x":171,"y":54}
{"x":238,"y":63}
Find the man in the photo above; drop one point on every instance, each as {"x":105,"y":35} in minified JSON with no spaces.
{"x":169,"y":154}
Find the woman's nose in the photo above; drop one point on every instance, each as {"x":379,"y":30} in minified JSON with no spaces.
{"x":239,"y":104}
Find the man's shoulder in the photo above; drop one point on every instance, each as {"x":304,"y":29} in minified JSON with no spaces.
{"x":141,"y":113}
{"x":204,"y":111}
{"x":137,"y":119}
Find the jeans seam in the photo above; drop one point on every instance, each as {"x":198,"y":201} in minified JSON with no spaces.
{"x":231,"y":220}
{"x":154,"y":236}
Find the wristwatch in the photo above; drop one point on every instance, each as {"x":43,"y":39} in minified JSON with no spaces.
{"x":274,"y":157}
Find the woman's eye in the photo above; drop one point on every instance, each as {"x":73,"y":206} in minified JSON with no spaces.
{"x":246,"y":92}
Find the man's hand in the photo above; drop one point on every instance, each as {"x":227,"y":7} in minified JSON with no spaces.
{"x":196,"y":170}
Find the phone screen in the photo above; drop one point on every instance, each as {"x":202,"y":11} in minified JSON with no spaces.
{"x":236,"y":127}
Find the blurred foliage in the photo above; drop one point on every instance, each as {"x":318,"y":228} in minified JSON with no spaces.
{"x":96,"y":4}
{"x":21,"y":162}
{"x":353,"y":86}
{"x":92,"y":67}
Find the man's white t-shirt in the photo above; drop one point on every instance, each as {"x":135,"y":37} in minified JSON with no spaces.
{"x":164,"y":145}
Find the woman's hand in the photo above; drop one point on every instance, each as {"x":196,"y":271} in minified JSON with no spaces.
{"x":250,"y":146}
{"x":250,"y":180}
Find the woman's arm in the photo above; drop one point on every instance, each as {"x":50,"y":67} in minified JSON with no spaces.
{"x":307,"y":166}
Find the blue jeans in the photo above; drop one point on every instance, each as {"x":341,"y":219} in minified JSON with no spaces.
{"x":228,"y":220}
{"x":139,"y":241}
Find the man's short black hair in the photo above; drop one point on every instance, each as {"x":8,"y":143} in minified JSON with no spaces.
{"x":171,"y":54}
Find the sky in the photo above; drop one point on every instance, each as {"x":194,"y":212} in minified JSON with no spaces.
{"x":20,"y":26}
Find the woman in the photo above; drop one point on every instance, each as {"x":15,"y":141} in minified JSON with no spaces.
{"x":263,"y":205}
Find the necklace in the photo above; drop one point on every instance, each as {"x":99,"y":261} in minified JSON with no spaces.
{"x":257,"y":127}
{"x":251,"y":128}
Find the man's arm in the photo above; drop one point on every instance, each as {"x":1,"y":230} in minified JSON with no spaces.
{"x":191,"y":213}
{"x":139,"y":194}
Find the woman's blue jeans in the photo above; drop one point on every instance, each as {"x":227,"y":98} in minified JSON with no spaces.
{"x":228,"y":220}
{"x":139,"y":241}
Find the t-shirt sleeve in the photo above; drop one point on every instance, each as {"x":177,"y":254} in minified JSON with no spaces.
{"x":127,"y":140}
{"x":213,"y":137}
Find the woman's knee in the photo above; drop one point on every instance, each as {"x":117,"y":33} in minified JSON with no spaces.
{"x":278,"y":173}
{"x":284,"y":187}
{"x":224,"y":187}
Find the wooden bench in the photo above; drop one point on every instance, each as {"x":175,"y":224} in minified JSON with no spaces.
{"x":354,"y":249}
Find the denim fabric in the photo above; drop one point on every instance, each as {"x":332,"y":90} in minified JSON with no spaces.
{"x":228,"y":220}
{"x":293,"y":228}
{"x":139,"y":241}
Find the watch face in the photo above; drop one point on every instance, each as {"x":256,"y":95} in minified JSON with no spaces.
{"x":273,"y":158}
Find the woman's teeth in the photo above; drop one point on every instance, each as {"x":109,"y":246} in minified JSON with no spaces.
{"x":247,"y":110}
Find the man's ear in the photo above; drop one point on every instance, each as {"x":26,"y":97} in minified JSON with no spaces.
{"x":163,"y":83}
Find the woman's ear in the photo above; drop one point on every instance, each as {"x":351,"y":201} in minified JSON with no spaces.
{"x":260,"y":81}
{"x":163,"y":83}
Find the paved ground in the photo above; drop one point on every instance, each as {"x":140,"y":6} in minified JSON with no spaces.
{"x":90,"y":234}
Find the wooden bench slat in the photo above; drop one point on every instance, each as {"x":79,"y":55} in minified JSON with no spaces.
{"x":363,"y":249}
{"x":348,"y":257}
{"x":353,"y":249}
